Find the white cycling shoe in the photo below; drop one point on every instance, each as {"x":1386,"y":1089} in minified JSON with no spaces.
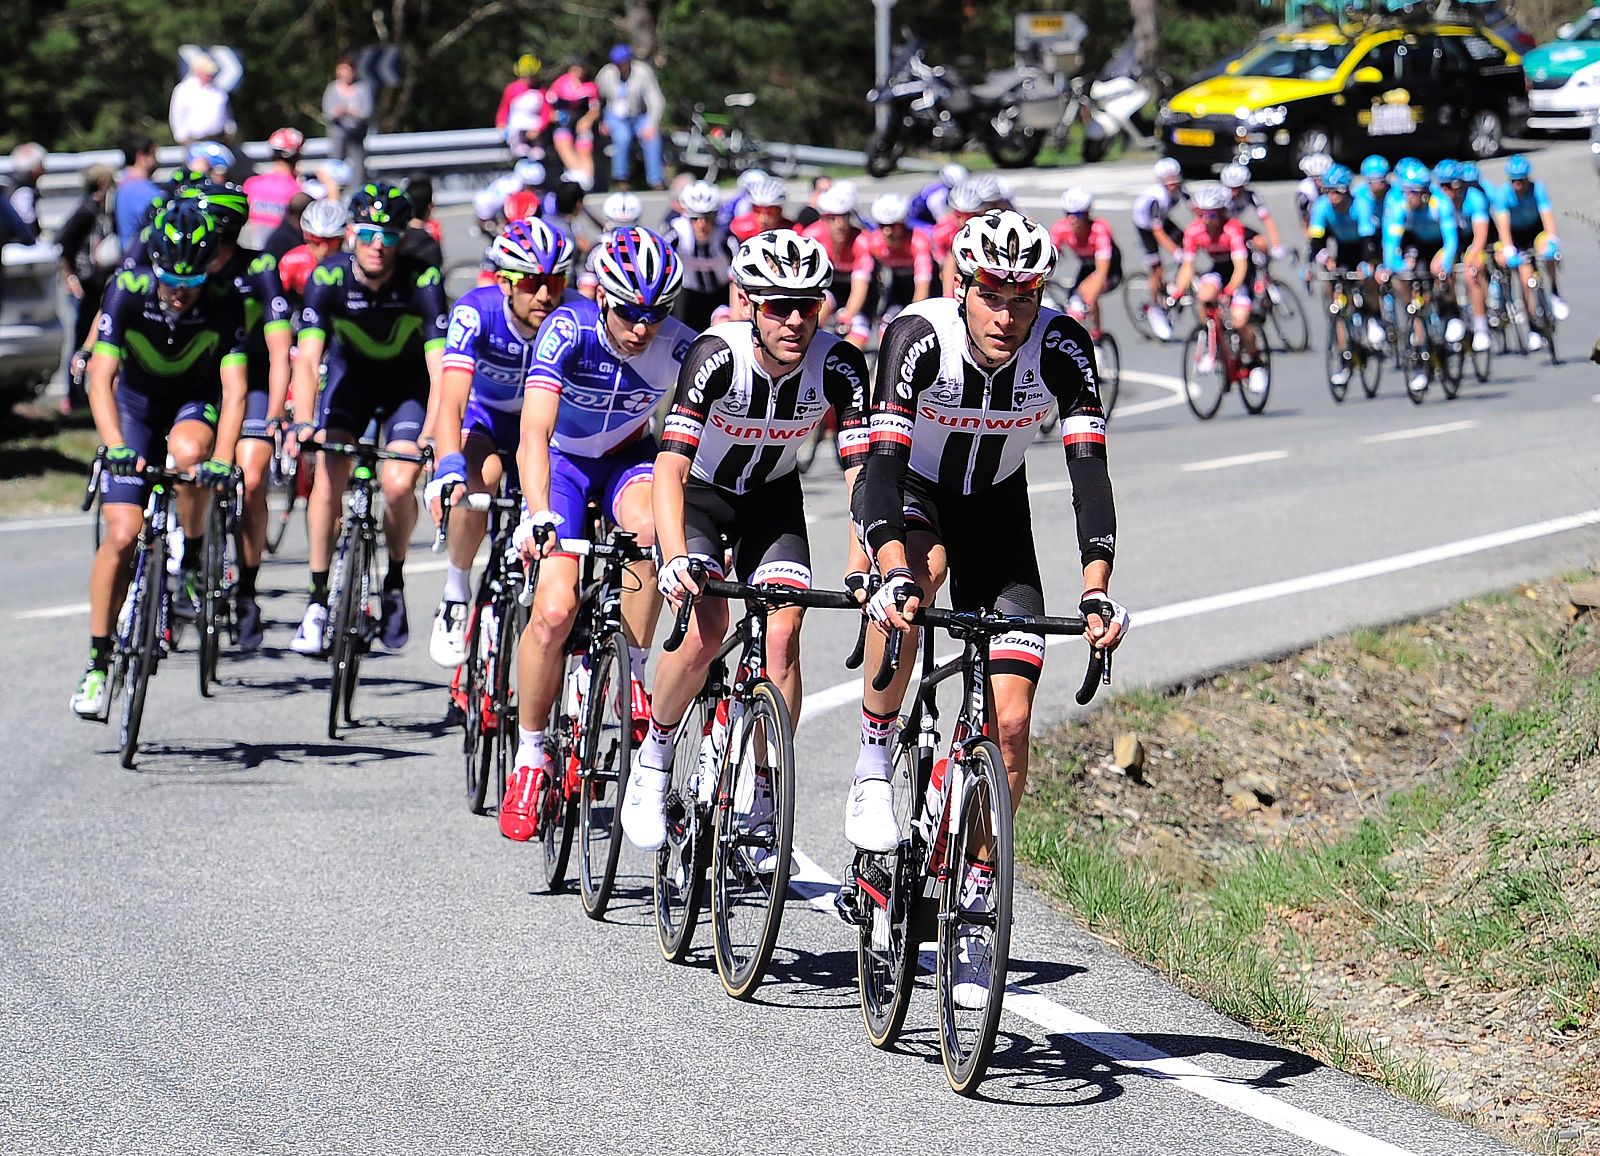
{"x":1375,"y":332}
{"x":1159,"y":325}
{"x":644,"y":818}
{"x":971,"y":989}
{"x":1480,"y":341}
{"x":447,"y":645}
{"x":308,"y":639}
{"x":869,"y":821}
{"x":1535,"y":342}
{"x":1339,"y":377}
{"x":1559,"y":308}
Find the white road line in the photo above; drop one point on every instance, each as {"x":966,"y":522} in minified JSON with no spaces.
{"x":1421,"y":431}
{"x":813,"y":884}
{"x":1048,"y":487}
{"x":1236,"y":460}
{"x":1164,"y":380}
{"x":43,"y":524}
{"x":849,"y":693}
{"x":66,"y":611}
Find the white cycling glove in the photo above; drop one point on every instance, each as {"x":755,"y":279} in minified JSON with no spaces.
{"x":1279,"y":252}
{"x":535,"y":527}
{"x":673,"y":578}
{"x":1110,"y":611}
{"x":435,"y":490}
{"x":896,"y":590}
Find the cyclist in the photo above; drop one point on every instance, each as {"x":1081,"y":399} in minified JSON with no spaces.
{"x":705,"y":251}
{"x":739,"y":203}
{"x":574,"y":104}
{"x":929,"y":206}
{"x":1266,"y":242}
{"x":1221,"y":236}
{"x":966,"y":201}
{"x":380,"y":319}
{"x":167,"y":377}
{"x":1419,"y":239}
{"x":750,"y":392}
{"x":271,"y":191}
{"x":487,"y":356}
{"x":934,"y":503}
{"x":1472,"y":228}
{"x":849,"y":249}
{"x":617,"y":211}
{"x":1158,"y":234}
{"x":902,"y":253}
{"x":1313,"y":166}
{"x":1099,"y":260}
{"x":1527,"y":224}
{"x":323,"y":224}
{"x":766,"y":197}
{"x":1375,"y":189}
{"x":599,"y":372}
{"x":1344,"y":239}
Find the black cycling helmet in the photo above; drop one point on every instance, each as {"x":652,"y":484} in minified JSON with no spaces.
{"x":227,"y":204}
{"x":380,"y":204}
{"x":184,"y":239}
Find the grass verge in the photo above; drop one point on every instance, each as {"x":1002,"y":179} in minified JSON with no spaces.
{"x":44,"y":460}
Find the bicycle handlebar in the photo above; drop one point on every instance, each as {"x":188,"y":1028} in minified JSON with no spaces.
{"x":368,"y":452}
{"x":480,"y":503}
{"x":768,"y":594}
{"x":970,"y":623}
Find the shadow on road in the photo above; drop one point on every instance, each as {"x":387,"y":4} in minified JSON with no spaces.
{"x":171,"y":760}
{"x":809,"y":980}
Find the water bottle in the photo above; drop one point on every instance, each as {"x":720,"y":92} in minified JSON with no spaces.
{"x":710,"y":757}
{"x":577,"y":688}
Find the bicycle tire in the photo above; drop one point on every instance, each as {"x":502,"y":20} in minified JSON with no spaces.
{"x":1371,"y":362}
{"x":506,"y":738}
{"x":146,"y":635}
{"x":607,"y":755}
{"x":733,"y":874}
{"x":558,"y":803}
{"x":1544,"y":320}
{"x":363,"y":622}
{"x":1482,"y":361}
{"x":1254,"y":404}
{"x":1288,"y":317}
{"x":1452,"y":364}
{"x":278,"y":518}
{"x":966,"y":1054}
{"x":1108,"y":363}
{"x":477,"y":753}
{"x":1337,"y":359}
{"x":1203,"y":403}
{"x":345,"y":627}
{"x":678,"y":883}
{"x":1412,"y":360}
{"x":209,"y":626}
{"x":886,"y":975}
{"x":1136,"y":303}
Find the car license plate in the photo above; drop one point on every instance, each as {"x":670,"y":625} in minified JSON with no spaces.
{"x":1391,"y":120}
{"x":1200,"y":138}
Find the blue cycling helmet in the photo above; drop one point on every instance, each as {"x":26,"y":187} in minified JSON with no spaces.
{"x":1470,"y":174}
{"x":1375,"y":168}
{"x":1337,"y":179}
{"x":1446,"y":172}
{"x":532,"y":247}
{"x":636,"y":267}
{"x":1414,"y":176}
{"x":1518,"y":169}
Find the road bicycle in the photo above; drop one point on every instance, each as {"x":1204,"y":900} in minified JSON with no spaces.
{"x":1136,"y":302}
{"x":741,"y":827}
{"x":1482,"y":360}
{"x":1281,"y":317}
{"x":1349,"y":353}
{"x":1542,"y":317}
{"x":954,"y":812}
{"x":1213,"y":363}
{"x":1508,"y":314}
{"x":722,"y":145}
{"x":218,"y":575}
{"x":289,"y":479}
{"x":483,"y":687}
{"x":353,"y":593}
{"x":1426,"y":351}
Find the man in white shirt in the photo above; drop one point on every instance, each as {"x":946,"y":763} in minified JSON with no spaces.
{"x":199,"y":109}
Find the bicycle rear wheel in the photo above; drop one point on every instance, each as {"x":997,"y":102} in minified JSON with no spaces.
{"x":209,"y":627}
{"x":1287,"y":318}
{"x":1203,"y":381}
{"x":346,"y":610}
{"x":607,"y":752}
{"x":681,"y":862}
{"x":501,"y":710}
{"x":1108,"y":361}
{"x":1370,"y":362}
{"x":477,"y":751}
{"x":975,"y":937}
{"x":144,"y":630}
{"x":1482,"y":360}
{"x":1136,"y":303}
{"x":886,"y":948}
{"x":558,"y":803}
{"x":1340,"y":356}
{"x":751,"y":854}
{"x":1544,"y":321}
{"x":1255,"y":400}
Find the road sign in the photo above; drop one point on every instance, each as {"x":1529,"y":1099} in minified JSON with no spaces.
{"x":381,"y":65}
{"x":229,"y":69}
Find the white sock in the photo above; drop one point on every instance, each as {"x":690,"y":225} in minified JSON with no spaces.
{"x":657,"y":748}
{"x":530,"y":738}
{"x":457,"y":583}
{"x":877,"y":731}
{"x":638,"y":655}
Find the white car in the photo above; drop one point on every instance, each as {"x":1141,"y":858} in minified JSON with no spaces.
{"x":1564,"y":77}
{"x":31,"y":337}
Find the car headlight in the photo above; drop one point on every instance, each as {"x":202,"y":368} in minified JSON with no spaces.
{"x":1270,"y":117}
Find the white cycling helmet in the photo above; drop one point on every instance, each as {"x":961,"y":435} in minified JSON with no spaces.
{"x":700,"y":199}
{"x":1006,"y":245}
{"x":1212,"y":198}
{"x":890,"y":209}
{"x":1168,"y":170}
{"x":1077,"y":200}
{"x":325,"y":219}
{"x":782,"y":263}
{"x":621,"y":209}
{"x":1316,"y":164}
{"x":1234,"y":176}
{"x":530,"y":172}
{"x":531,"y":246}
{"x":768,"y":192}
{"x":953,"y":174}
{"x":838,"y":199}
{"x":967,"y":196}
{"x":635,"y":266}
{"x":750,"y":177}
{"x":990,"y":189}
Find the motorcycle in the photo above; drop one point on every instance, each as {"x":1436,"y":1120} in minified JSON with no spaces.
{"x":1114,"y":105}
{"x":1009,"y":115}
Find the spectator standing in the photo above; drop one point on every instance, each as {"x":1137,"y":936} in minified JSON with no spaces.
{"x":347,"y":111}
{"x":574,"y":104}
{"x":199,"y":109}
{"x":27,"y":166}
{"x":271,"y":190}
{"x":528,"y":66}
{"x":633,"y":104}
{"x":135,"y":189}
{"x":89,"y":255}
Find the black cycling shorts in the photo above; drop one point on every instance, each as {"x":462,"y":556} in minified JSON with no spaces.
{"x":764,"y":527}
{"x":1152,"y":247}
{"x":1113,"y":275}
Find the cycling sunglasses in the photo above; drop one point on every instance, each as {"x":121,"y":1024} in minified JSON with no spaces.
{"x":533,"y":282}
{"x":368,"y":234}
{"x":642,"y":314}
{"x":781,"y":308}
{"x":991,"y":280}
{"x":173,"y":281}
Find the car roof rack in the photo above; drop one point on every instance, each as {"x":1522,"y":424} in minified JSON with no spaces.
{"x":1356,"y":19}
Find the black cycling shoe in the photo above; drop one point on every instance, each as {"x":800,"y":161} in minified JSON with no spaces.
{"x":247,"y":617}
{"x":394,"y":629}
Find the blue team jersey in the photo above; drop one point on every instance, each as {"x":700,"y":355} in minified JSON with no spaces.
{"x":606,"y":400}
{"x":1347,"y":227}
{"x":1525,"y":211}
{"x":1473,"y":209}
{"x":483,"y":340}
{"x":1433,"y":223}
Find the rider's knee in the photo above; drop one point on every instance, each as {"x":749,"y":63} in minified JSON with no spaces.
{"x":554,"y":609}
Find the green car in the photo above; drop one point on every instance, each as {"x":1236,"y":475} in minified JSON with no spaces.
{"x":1564,"y":77}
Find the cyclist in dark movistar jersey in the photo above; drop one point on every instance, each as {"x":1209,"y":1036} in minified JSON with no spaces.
{"x":380,"y":318}
{"x":167,"y":378}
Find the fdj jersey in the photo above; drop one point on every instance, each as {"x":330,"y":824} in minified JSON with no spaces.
{"x":374,"y":333}
{"x":606,"y":399}
{"x":743,"y":428}
{"x":483,"y":341}
{"x":169,"y":357}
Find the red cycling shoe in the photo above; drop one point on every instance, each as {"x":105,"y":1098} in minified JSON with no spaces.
{"x":519,"y":810}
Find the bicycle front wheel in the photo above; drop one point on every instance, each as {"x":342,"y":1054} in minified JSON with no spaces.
{"x":344,"y":650}
{"x":212,"y":594}
{"x":607,"y":752}
{"x":1287,"y":318}
{"x":1340,"y":356}
{"x":753,"y":841}
{"x":974,"y":919}
{"x":144,"y":631}
{"x":1108,"y":361}
{"x":681,"y":862}
{"x":886,"y":948}
{"x":1136,"y":303}
{"x":1253,"y":396}
{"x":476,"y":748}
{"x":1203,"y":373}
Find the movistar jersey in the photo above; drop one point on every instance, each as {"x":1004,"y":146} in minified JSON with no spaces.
{"x":1526,"y":211}
{"x":266,"y":308}
{"x":368,"y":331}
{"x":606,"y":399}
{"x":1433,"y":225}
{"x":165,"y":355}
{"x":483,"y":341}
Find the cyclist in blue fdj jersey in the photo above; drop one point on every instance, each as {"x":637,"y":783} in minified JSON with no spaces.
{"x":929,"y":204}
{"x":177,"y":339}
{"x":487,"y":355}
{"x":1527,"y":226}
{"x":1472,"y":227}
{"x":1345,"y":239}
{"x":380,"y":318}
{"x":1419,"y":241}
{"x":600,"y":369}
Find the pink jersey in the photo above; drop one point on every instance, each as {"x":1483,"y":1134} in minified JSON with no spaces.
{"x":1094,"y":244}
{"x":912,"y":256}
{"x":568,"y":89}
{"x":1228,"y":245}
{"x":854,"y":259}
{"x":269,"y":195}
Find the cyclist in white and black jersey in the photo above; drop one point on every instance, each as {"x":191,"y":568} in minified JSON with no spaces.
{"x":617,"y":211}
{"x":705,"y":250}
{"x":1313,"y":166}
{"x":1158,"y":234}
{"x":963,"y":383}
{"x":1267,"y":242}
{"x":749,"y":393}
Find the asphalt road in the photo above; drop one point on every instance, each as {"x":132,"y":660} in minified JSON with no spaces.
{"x":261,"y":941}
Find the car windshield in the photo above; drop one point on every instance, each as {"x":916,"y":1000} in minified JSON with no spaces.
{"x":1298,"y":61}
